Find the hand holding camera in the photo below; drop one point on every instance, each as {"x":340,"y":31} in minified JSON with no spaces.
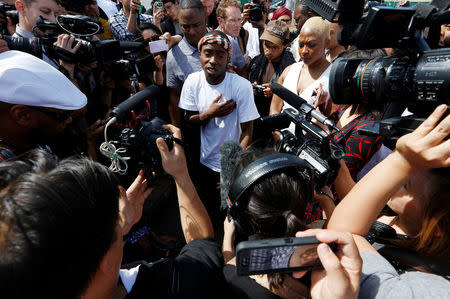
{"x":173,"y":160}
{"x":428,"y":146}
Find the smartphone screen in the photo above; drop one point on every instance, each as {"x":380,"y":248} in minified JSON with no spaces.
{"x":272,"y":258}
{"x":158,"y":46}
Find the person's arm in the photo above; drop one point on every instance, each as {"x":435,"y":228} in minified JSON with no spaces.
{"x":246,"y":135}
{"x":174,"y":111}
{"x":425,"y":148}
{"x":277,"y":103}
{"x":135,"y":5}
{"x":229,"y":229}
{"x":216,"y":109}
{"x":195,"y":221}
{"x":158,"y":76}
{"x":344,"y":181}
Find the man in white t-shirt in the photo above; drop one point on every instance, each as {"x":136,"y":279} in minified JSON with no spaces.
{"x":222,"y":104}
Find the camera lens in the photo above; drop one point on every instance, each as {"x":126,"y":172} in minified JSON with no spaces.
{"x":378,"y":80}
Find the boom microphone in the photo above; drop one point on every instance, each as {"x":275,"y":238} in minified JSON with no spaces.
{"x":230,"y":151}
{"x":301,"y":105}
{"x":132,"y":46}
{"x":135,"y":103}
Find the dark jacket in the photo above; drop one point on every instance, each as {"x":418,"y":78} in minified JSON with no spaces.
{"x":256,"y":70}
{"x":258,"y":65}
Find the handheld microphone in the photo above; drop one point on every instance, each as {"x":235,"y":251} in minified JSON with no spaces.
{"x":135,"y":103}
{"x":301,"y":105}
{"x":230,"y":151}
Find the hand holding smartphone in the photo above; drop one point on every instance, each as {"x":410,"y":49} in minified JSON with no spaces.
{"x":283,"y":255}
{"x":158,"y":46}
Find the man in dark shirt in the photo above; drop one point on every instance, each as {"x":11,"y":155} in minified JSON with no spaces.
{"x":37,"y":102}
{"x":171,"y":23}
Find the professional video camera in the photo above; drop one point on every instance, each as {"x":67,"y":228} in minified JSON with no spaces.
{"x":311,"y":143}
{"x":10,"y":11}
{"x":421,"y":80}
{"x":82,"y":27}
{"x":116,"y":57}
{"x":135,"y":147}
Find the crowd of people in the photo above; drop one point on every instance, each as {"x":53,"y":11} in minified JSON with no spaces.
{"x":67,"y":224}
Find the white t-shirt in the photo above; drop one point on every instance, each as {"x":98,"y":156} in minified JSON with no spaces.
{"x":197,"y":95}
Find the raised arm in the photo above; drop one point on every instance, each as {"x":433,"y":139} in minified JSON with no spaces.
{"x":195,"y":220}
{"x":425,"y":148}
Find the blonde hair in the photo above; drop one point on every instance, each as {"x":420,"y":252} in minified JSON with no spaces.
{"x":319,"y":25}
{"x":224,"y":4}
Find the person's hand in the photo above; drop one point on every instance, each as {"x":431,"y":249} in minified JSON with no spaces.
{"x":66,"y":41}
{"x":267,"y":91}
{"x":246,"y":12}
{"x":10,"y":26}
{"x":174,"y":161}
{"x":94,"y":131}
{"x":342,"y":269}
{"x":159,"y":62}
{"x":229,"y":228}
{"x":157,"y":16}
{"x":171,"y":40}
{"x":217,"y":109}
{"x":321,"y":102}
{"x":276,"y":135}
{"x":3,"y":45}
{"x":132,"y":201}
{"x":426,"y":147}
{"x":135,"y":5}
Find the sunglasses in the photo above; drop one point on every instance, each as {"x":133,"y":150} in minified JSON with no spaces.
{"x":154,"y":38}
{"x":58,"y":116}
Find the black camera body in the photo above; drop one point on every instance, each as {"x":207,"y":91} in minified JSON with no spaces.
{"x":422,"y":85}
{"x":418,"y":79}
{"x":140,"y":145}
{"x":259,"y":89}
{"x":8,"y":11}
{"x":310,"y":143}
{"x":256,"y":10}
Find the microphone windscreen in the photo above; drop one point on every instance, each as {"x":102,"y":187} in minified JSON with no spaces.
{"x":135,"y":103}
{"x":287,"y":95}
{"x":230,"y":151}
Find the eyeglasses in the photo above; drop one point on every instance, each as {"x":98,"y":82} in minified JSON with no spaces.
{"x":58,"y":116}
{"x":168,"y":7}
{"x":239,"y":20}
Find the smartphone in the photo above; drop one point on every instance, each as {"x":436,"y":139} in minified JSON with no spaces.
{"x":283,"y":255}
{"x":158,"y":46}
{"x":158,"y":6}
